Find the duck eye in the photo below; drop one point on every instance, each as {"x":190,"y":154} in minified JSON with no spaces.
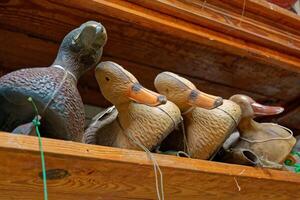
{"x":106,"y":78}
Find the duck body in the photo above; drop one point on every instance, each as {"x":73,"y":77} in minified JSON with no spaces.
{"x":148,"y":125}
{"x":259,"y":139}
{"x":208,"y":120}
{"x":206,"y":130}
{"x":261,"y":144}
{"x":63,"y":111}
{"x":142,"y":117}
{"x":53,"y":88}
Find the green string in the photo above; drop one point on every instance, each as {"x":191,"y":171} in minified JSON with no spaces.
{"x":36,"y":122}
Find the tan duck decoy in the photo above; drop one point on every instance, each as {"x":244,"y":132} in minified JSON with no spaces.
{"x":263,"y":144}
{"x":206,"y":129}
{"x":143,"y":115}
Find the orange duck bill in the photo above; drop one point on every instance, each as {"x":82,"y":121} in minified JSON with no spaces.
{"x":203,"y":100}
{"x":261,"y":110}
{"x":139,"y":94}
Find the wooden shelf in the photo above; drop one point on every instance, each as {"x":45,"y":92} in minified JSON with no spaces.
{"x":97,"y":172}
{"x":259,"y":57}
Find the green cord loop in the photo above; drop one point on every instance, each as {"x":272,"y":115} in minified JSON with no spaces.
{"x":36,"y":122}
{"x":288,"y":162}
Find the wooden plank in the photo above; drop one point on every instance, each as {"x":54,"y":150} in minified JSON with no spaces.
{"x":228,"y":23}
{"x":97,"y":172}
{"x":36,"y":18}
{"x":180,"y":56}
{"x":263,"y":11}
{"x":35,"y":52}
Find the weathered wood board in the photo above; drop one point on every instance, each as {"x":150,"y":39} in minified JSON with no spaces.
{"x":96,"y":172}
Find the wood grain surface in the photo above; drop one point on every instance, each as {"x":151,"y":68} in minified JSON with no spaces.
{"x":96,"y":172}
{"x":263,"y":11}
{"x":228,"y":23}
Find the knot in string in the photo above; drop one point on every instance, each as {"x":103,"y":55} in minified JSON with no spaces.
{"x":36,"y":122}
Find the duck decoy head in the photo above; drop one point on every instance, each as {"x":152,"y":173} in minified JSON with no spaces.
{"x":82,"y":47}
{"x":119,"y":86}
{"x":184,"y":93}
{"x":251,"y":108}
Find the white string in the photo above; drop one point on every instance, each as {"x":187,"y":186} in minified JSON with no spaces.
{"x":188,"y":110}
{"x":60,"y":85}
{"x":203,"y":4}
{"x":101,"y":114}
{"x":243,"y":12}
{"x":270,"y":139}
{"x":55,"y":92}
{"x":185,"y":142}
{"x":159,"y":191}
{"x":60,"y":67}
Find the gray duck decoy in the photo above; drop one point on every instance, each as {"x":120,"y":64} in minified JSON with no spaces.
{"x":53,"y":88}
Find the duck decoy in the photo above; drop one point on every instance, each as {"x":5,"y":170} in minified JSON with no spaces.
{"x":53,"y":88}
{"x":261,"y":144}
{"x":208,"y":119}
{"x":144,"y":117}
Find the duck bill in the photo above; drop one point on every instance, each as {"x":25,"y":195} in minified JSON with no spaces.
{"x":203,"y":100}
{"x":142,"y":95}
{"x":262,"y":110}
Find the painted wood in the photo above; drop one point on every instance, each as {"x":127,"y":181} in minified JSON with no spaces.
{"x":97,"y":172}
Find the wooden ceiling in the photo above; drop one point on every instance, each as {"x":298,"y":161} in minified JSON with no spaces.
{"x":218,"y":57}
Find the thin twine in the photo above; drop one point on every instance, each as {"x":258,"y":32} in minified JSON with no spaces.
{"x":159,"y":190}
{"x":270,"y":139}
{"x":60,"y":85}
{"x":185,"y":142}
{"x":243,"y":12}
{"x":36,"y":122}
{"x":188,"y":110}
{"x":60,"y":67}
{"x":203,"y":4}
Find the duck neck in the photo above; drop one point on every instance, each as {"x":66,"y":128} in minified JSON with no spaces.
{"x":123,"y":114}
{"x":246,"y":124}
{"x":71,"y":63}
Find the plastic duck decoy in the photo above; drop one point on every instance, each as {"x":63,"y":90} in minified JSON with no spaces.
{"x":144,"y":118}
{"x":261,"y":144}
{"x":208,"y":120}
{"x":53,"y":88}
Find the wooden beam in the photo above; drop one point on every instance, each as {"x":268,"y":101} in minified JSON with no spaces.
{"x":83,"y":171}
{"x":37,"y":19}
{"x":34,"y":52}
{"x":228,"y":23}
{"x":27,"y":51}
{"x":165,"y":53}
{"x":263,"y":11}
